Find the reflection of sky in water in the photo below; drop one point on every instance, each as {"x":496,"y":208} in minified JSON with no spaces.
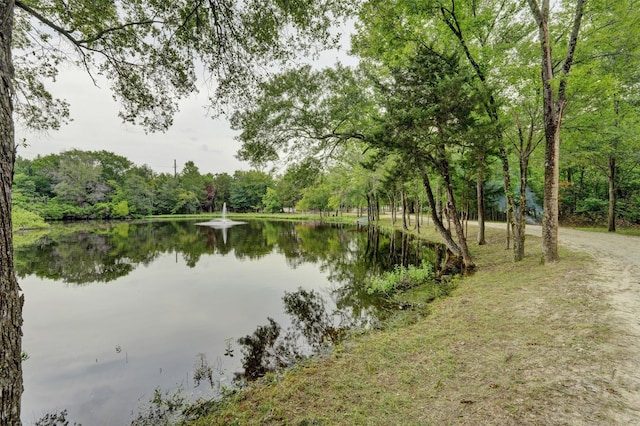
{"x":100,"y":350}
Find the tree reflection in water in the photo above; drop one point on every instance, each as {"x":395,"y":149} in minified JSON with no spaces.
{"x":313,"y":330}
{"x":84,"y":254}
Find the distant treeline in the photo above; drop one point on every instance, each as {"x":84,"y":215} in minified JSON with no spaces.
{"x":75,"y":185}
{"x":101,"y":185}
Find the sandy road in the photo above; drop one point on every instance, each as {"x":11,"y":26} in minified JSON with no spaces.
{"x":617,"y":275}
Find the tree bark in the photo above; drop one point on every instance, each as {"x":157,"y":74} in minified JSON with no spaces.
{"x":509,"y":204}
{"x":404,"y":211}
{"x":455,"y":217}
{"x":11,"y":300}
{"x":612,"y":194}
{"x":519,"y":234}
{"x":452,"y":246}
{"x":480,"y":196}
{"x":553,"y":111}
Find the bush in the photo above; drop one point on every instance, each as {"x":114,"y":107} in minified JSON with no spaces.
{"x":23,"y":219}
{"x":56,"y":210}
{"x":630,"y":209}
{"x":121,"y":210}
{"x":98,"y":211}
{"x":401,"y":279}
{"x":593,"y":209}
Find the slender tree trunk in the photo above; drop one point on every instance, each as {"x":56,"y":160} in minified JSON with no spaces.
{"x":404,"y":210}
{"x":519,"y":235}
{"x":510,"y":205}
{"x":392,"y":201}
{"x":10,"y":299}
{"x":508,"y":241}
{"x":480,"y":197}
{"x":439,"y":209}
{"x":455,"y":218}
{"x":553,"y":111}
{"x":612,"y":193}
{"x":437,"y":221}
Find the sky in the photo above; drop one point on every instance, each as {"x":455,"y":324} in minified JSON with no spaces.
{"x":194,"y":136}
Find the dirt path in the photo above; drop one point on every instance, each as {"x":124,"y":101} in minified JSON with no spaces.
{"x":617,"y":276}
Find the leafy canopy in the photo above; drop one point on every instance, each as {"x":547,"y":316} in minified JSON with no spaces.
{"x":151,"y":51}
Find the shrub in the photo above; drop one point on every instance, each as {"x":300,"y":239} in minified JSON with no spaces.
{"x":593,"y":209}
{"x":401,"y":279}
{"x":23,"y":219}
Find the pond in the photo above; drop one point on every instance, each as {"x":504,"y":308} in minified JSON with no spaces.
{"x":114,"y":312}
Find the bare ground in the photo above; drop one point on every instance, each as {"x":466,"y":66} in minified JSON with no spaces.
{"x":615,"y":276}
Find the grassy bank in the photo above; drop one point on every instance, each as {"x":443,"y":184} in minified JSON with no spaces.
{"x":514,"y":344}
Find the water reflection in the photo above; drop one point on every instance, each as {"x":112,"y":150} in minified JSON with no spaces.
{"x":312,"y":330}
{"x":105,"y":253}
{"x":179,"y":296}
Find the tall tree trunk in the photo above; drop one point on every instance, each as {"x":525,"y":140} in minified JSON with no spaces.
{"x":612,"y":193}
{"x":437,"y":221}
{"x":439,"y":209}
{"x":491,"y":108}
{"x":480,"y":196}
{"x":550,"y":221}
{"x":519,"y":235}
{"x":455,"y":218}
{"x":526,"y":147}
{"x":10,"y":299}
{"x":404,"y":211}
{"x":553,"y":111}
{"x":392,"y":201}
{"x":510,"y":205}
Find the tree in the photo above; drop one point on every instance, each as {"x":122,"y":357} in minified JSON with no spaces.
{"x":601,"y":130}
{"x":192,"y":189}
{"x":303,"y":112}
{"x":79,"y":179}
{"x":315,"y":198}
{"x":271,"y":201}
{"x":222,"y":183}
{"x":554,"y":98}
{"x":430,"y":105}
{"x":149,"y":51}
{"x":248,"y":189}
{"x":483,"y":32}
{"x":296,"y":178}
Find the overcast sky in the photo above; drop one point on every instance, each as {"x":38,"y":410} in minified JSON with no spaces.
{"x":194,"y":136}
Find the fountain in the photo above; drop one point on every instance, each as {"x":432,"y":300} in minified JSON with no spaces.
{"x":223,"y":222}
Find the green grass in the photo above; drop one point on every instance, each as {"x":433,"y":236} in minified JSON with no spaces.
{"x":513,"y":344}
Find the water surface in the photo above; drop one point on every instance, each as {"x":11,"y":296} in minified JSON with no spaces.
{"x":114,"y":312}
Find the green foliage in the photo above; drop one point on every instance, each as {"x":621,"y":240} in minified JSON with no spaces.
{"x":23,"y":219}
{"x":248,"y":189}
{"x":401,"y":279}
{"x":121,"y":210}
{"x":304,"y":112}
{"x":163,"y":409}
{"x":593,"y":209}
{"x":56,"y":209}
{"x":296,"y":178}
{"x":150,"y":50}
{"x":629,"y":209}
{"x":271,"y":201}
{"x":315,"y":198}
